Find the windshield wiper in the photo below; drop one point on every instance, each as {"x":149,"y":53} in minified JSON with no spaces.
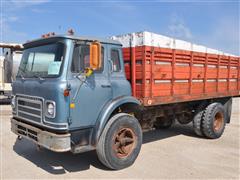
{"x":22,"y":77}
{"x":40,"y":78}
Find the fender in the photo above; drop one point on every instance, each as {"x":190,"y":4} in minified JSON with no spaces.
{"x":107,"y":111}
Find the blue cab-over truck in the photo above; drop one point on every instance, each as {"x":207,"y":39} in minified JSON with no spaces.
{"x":71,"y":94}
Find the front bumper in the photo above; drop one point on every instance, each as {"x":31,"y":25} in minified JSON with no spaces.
{"x":51,"y":141}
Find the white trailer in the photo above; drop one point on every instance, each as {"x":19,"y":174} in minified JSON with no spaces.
{"x":9,"y":63}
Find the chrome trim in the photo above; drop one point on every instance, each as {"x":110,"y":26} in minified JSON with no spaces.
{"x":41,"y":124}
{"x":49,"y":140}
{"x":46,"y":112}
{"x":29,"y":100}
{"x":49,"y":122}
{"x":28,"y":107}
{"x":34,"y":115}
{"x":37,"y":101}
{"x":43,"y":119}
{"x":13,"y":99}
{"x":24,"y":95}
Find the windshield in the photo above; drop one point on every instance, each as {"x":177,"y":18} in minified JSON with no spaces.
{"x":42,"y":61}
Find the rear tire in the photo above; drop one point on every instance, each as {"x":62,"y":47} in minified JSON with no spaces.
{"x":214,"y":121}
{"x":197,"y":121}
{"x":120,"y":142}
{"x":198,"y":118}
{"x":228,"y":110}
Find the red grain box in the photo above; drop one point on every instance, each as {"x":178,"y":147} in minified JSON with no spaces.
{"x":165,"y":70}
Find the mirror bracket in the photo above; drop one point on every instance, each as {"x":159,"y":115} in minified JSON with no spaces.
{"x":82,"y":77}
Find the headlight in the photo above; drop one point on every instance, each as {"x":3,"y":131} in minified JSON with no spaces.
{"x":50,"y":109}
{"x":13,"y":102}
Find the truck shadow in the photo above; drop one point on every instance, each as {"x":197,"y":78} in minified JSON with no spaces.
{"x":61,"y":163}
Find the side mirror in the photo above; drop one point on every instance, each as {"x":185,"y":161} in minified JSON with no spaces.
{"x":95,"y":55}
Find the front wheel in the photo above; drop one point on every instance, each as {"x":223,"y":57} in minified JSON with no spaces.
{"x":120,"y":142}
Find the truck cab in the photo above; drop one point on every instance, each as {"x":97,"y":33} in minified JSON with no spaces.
{"x":66,"y":90}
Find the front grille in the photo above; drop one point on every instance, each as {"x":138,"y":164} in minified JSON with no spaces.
{"x":27,"y":132}
{"x":29,"y":108}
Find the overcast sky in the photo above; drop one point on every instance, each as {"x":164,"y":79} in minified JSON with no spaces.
{"x":213,"y":24}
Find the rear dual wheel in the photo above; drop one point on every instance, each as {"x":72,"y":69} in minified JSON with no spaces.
{"x":197,"y":121}
{"x":214,"y":121}
{"x":210,"y":122}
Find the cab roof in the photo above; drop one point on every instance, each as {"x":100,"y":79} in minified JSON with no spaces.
{"x":78,"y":38}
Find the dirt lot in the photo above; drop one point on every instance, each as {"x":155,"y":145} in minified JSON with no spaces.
{"x":173,"y":153}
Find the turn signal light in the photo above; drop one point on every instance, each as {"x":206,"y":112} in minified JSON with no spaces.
{"x":72,"y":105}
{"x":66,"y":92}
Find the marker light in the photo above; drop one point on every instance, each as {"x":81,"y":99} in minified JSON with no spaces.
{"x":66,"y":92}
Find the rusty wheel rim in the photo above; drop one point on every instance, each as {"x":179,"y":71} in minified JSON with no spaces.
{"x":124,"y":142}
{"x":218,"y":121}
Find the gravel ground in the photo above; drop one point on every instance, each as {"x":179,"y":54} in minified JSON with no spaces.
{"x":174,"y":153}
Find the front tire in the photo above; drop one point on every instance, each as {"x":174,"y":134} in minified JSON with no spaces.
{"x":120,"y":142}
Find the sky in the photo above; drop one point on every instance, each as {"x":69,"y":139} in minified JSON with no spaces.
{"x":214,"y":24}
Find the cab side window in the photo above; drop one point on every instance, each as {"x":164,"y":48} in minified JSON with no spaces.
{"x":115,"y":58}
{"x":81,"y":59}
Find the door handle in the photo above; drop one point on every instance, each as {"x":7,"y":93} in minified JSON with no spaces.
{"x":106,"y":85}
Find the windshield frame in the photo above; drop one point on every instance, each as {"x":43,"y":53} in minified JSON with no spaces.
{"x":35,"y":76}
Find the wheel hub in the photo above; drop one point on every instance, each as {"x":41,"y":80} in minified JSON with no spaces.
{"x":218,"y":121}
{"x":124,"y":142}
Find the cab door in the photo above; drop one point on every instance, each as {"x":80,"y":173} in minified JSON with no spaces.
{"x":120,"y":85}
{"x":89,"y":96}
